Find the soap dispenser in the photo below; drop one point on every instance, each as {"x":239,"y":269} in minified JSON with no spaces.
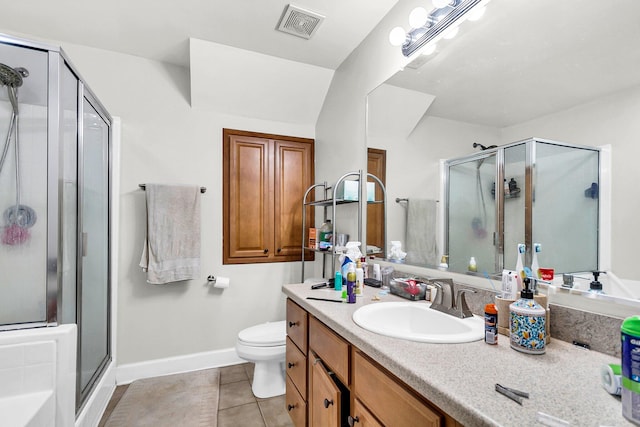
{"x":596,"y":287}
{"x":527,"y":323}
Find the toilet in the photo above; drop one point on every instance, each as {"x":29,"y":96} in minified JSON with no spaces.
{"x":265,"y":346}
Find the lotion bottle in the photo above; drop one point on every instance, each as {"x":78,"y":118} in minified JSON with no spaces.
{"x":527,"y":323}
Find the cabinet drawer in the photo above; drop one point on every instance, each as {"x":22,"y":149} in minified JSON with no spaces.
{"x":332,"y":349}
{"x":387,"y":399}
{"x":295,"y":405}
{"x":296,"y":364}
{"x":362,"y":417}
{"x":297,"y":325}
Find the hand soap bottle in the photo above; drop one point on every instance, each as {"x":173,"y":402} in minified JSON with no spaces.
{"x":527,"y":322}
{"x":595,"y":287}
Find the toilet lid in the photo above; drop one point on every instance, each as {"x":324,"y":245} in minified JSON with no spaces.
{"x":265,"y":335}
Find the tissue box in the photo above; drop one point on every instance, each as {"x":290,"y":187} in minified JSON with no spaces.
{"x":402,"y":288}
{"x":350,"y":190}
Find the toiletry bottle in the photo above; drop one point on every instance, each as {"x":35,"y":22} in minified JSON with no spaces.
{"x":444,"y":265}
{"x":377,"y":274}
{"x":365,"y":267}
{"x":359,"y":280}
{"x":472,"y":264}
{"x":513,"y":187}
{"x":630,"y":340}
{"x":520,"y":265}
{"x":351,"y":283}
{"x":325,"y":236}
{"x":506,"y":188}
{"x":596,"y":287}
{"x":527,"y":323}
{"x":345,"y":268}
{"x":535,"y":267}
{"x":490,"y":324}
{"x":337,"y":282}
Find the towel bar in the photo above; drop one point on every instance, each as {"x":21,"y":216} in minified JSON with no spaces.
{"x":144,"y":187}
{"x":399,"y":200}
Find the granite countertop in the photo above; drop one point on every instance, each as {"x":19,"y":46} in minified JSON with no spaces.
{"x":460,"y":378}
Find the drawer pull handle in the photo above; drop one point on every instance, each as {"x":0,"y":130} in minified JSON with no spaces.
{"x":351,"y":420}
{"x":291,"y":365}
{"x":292,"y":324}
{"x":291,"y":407}
{"x":266,"y":251}
{"x":328,"y":402}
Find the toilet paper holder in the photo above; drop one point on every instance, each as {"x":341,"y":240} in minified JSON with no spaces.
{"x":212,"y":279}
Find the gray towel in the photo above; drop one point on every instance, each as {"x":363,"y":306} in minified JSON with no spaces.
{"x":171,"y":249}
{"x":421,"y":245}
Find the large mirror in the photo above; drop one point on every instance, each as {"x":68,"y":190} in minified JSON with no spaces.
{"x":565,"y":71}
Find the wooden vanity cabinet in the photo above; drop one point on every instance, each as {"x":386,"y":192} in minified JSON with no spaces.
{"x":341,"y":379}
{"x":325,"y":401}
{"x":361,"y":417}
{"x":296,"y":364}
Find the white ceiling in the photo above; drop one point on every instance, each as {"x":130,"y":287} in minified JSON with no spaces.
{"x":529,"y":58}
{"x":160,"y":29}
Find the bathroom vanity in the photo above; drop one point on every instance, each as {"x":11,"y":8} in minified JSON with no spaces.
{"x":337,"y":370}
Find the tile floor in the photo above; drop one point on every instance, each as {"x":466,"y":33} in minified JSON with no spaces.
{"x":237,"y":405}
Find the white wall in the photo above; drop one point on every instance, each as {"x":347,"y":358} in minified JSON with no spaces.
{"x":165,"y":140}
{"x":341,"y":127}
{"x":418,"y":156}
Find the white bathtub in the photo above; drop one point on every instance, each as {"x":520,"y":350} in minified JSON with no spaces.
{"x":37,"y":376}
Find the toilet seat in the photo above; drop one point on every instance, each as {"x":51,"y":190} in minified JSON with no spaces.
{"x":265,"y":335}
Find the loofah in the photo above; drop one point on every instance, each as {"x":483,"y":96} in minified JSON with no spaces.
{"x":14,"y":235}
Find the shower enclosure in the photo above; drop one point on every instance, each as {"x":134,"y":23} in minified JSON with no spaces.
{"x":54,"y":202}
{"x":531,"y":191}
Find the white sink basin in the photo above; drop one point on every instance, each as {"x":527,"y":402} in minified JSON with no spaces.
{"x":415,"y":321}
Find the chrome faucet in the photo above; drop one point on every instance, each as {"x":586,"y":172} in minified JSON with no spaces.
{"x":445,"y":302}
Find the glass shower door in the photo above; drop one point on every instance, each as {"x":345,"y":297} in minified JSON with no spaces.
{"x":93,"y":292}
{"x":472,"y":214}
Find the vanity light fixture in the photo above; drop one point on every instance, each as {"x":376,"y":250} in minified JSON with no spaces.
{"x":442,"y":21}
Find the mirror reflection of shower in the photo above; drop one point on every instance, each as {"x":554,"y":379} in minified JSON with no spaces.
{"x":18,"y":218}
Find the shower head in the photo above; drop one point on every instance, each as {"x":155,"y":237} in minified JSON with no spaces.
{"x":482,"y":147}
{"x":12,"y":77}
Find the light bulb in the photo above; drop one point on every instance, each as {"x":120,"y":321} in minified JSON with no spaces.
{"x":418,"y":17}
{"x":476,"y":13}
{"x":450,"y":33}
{"x":439,"y":4}
{"x":397,"y":36}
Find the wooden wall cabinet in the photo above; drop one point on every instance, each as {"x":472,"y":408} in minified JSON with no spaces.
{"x":341,"y":380}
{"x":265,"y":178}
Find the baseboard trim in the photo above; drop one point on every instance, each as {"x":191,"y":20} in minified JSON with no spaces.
{"x":130,"y":372}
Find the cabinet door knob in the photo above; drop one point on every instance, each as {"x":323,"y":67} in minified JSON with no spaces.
{"x":328,"y":402}
{"x":266,"y":251}
{"x":291,"y":365}
{"x":279,"y":250}
{"x":351,"y":420}
{"x":292,"y":324}
{"x":290,"y":407}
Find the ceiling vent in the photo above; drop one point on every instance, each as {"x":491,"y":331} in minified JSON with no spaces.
{"x":299,"y":22}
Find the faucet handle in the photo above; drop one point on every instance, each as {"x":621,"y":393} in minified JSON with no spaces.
{"x":461,"y":307}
